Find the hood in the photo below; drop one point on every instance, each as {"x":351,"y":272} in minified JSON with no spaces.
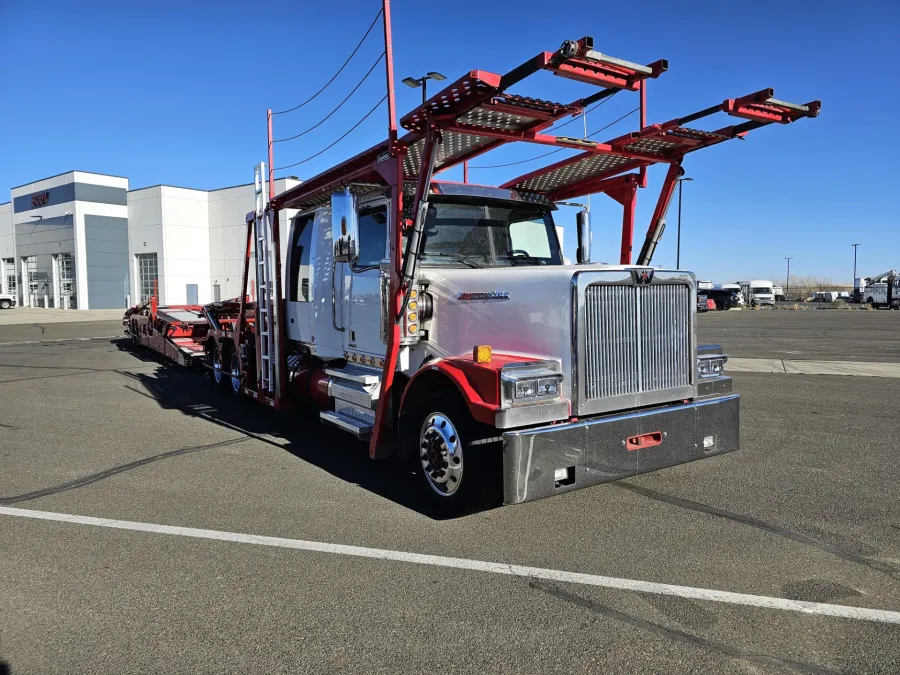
{"x":525,"y":311}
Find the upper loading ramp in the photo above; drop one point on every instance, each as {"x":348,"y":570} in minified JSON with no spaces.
{"x":657,"y":143}
{"x":475,"y":114}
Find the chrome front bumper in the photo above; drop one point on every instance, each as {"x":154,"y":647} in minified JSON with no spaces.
{"x":594,"y":450}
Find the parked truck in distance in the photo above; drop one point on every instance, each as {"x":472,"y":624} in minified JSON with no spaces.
{"x":7,"y":301}
{"x":882,"y":291}
{"x":778,"y":291}
{"x":758,"y":292}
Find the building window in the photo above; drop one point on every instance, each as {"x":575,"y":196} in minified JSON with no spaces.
{"x":32,"y":275}
{"x":9,"y":276}
{"x":148,"y":274}
{"x":65,"y":279}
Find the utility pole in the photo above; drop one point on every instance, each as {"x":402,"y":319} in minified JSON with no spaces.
{"x":854,"y":263}
{"x":787,"y":284}
{"x":678,"y":249}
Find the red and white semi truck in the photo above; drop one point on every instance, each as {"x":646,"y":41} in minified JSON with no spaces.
{"x":439,"y":321}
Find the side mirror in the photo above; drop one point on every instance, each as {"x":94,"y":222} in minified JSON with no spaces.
{"x":344,"y":226}
{"x":583,"y":222}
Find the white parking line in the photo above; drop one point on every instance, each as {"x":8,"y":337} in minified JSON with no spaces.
{"x":766,"y":602}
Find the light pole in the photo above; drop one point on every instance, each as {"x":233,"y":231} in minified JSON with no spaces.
{"x":787,"y":284}
{"x":420,"y":82}
{"x":854,"y":263}
{"x":678,"y":249}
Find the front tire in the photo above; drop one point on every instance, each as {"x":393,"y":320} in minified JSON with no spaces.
{"x":5,"y":304}
{"x":458,"y":471}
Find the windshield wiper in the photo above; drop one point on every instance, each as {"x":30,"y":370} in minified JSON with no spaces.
{"x":458,"y":257}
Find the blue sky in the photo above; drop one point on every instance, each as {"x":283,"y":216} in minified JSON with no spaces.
{"x":175,"y":92}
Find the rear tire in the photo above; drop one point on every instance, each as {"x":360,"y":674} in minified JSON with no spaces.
{"x":214,"y":370}
{"x":235,"y":381}
{"x":458,"y":472}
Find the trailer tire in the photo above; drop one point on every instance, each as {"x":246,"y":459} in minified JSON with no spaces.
{"x":459,"y":467}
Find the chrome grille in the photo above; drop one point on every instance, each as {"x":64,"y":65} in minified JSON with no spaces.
{"x":637,"y":339}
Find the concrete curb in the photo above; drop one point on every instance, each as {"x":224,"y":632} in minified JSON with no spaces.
{"x":782,"y":366}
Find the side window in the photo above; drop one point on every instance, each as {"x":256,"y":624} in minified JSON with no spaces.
{"x":372,"y":235}
{"x":530,"y":236}
{"x":300,"y":270}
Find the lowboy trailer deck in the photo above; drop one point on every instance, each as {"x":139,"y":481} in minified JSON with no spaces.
{"x":439,"y":321}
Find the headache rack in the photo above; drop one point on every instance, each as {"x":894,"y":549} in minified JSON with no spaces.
{"x":477,"y":114}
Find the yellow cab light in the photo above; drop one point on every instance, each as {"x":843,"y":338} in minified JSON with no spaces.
{"x":412,"y":316}
{"x":411,"y":328}
{"x":411,"y":304}
{"x":482,"y":354}
{"x":413,"y":293}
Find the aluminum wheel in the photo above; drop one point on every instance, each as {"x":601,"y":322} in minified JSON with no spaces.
{"x":216,"y":362}
{"x":235,"y":374}
{"x":440,"y":450}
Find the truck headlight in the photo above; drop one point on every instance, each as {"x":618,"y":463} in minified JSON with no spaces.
{"x":530,"y":382}
{"x":711,"y":366}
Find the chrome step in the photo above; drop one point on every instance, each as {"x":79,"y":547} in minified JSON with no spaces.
{"x":356,"y":373}
{"x":362,"y":430}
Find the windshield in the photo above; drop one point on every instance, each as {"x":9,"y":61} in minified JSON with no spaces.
{"x":489,"y":235}
{"x":761,"y":290}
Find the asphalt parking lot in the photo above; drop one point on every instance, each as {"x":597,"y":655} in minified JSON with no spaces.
{"x":808,"y":510}
{"x":822,"y":334}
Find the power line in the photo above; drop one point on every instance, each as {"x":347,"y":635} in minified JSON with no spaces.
{"x":553,"y":152}
{"x":351,"y":129}
{"x":340,"y":70}
{"x":589,"y":110}
{"x":319,"y":123}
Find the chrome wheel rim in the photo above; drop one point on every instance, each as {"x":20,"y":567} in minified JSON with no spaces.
{"x":217,"y":367}
{"x":236,"y":375}
{"x":440,"y":451}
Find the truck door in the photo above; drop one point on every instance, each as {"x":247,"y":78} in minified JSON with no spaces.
{"x":361,"y":300}
{"x":299,"y":278}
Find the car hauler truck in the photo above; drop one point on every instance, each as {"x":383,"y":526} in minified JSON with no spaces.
{"x":437,"y":320}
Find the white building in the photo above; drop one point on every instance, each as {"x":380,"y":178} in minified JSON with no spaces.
{"x":84,"y":240}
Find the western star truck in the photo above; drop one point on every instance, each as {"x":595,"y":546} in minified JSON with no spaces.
{"x":438,"y":321}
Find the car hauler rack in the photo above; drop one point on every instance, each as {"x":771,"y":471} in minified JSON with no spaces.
{"x":441,"y":348}
{"x":178,"y":332}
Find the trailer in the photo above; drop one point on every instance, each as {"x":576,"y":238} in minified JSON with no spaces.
{"x":178,"y":332}
{"x":438,"y":320}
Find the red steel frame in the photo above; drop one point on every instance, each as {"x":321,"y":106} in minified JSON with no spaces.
{"x":443,"y":114}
